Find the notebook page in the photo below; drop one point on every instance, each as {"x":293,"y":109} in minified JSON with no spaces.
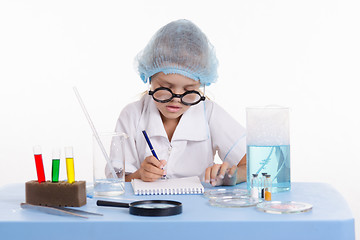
{"x":188,"y":185}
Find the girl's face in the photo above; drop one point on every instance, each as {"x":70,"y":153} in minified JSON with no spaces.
{"x":178,"y":85}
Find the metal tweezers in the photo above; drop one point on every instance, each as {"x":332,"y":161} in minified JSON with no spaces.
{"x":60,"y":211}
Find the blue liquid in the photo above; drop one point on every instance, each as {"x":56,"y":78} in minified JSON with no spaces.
{"x":273,"y":160}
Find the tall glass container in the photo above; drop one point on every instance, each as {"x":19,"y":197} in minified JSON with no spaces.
{"x":105,"y":184}
{"x":268,"y":145}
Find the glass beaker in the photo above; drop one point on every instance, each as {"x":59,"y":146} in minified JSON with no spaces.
{"x":268,"y":145}
{"x":105,"y":184}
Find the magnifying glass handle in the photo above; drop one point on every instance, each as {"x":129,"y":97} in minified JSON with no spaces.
{"x":112,"y":204}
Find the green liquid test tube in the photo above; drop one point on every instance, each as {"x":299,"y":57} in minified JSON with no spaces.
{"x":55,"y":166}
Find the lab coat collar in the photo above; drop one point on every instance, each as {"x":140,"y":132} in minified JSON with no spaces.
{"x":192,"y":125}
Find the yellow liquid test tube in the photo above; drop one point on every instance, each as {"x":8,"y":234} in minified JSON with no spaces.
{"x":70,"y":164}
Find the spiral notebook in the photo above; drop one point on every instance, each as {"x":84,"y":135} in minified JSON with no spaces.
{"x":188,"y":185}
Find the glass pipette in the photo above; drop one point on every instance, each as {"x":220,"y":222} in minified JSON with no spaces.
{"x":265,"y":161}
{"x":95,"y":133}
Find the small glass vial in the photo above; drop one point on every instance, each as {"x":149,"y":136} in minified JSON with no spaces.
{"x":262,"y":185}
{"x":255,"y":186}
{"x":268,"y":188}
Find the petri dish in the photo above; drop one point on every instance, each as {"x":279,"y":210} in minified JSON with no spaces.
{"x":233,"y":201}
{"x":284,"y":207}
{"x":225,"y":192}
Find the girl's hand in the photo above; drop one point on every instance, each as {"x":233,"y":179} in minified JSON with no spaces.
{"x":151,"y":169}
{"x":215,"y":174}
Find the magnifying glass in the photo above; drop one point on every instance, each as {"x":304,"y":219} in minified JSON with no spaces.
{"x":153,"y":208}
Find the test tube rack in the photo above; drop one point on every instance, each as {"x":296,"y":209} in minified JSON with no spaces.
{"x":60,"y":194}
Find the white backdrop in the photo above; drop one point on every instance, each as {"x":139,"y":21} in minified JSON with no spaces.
{"x":300,"y":54}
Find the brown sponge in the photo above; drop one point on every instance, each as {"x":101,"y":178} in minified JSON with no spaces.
{"x":60,"y":194}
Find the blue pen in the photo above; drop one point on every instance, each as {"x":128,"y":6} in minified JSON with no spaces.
{"x":151,"y":148}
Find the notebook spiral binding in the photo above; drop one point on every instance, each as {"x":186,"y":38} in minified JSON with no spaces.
{"x":187,"y":185}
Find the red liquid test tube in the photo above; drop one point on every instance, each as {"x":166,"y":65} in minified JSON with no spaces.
{"x":39,"y":164}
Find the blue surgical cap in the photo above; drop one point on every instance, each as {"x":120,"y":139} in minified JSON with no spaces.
{"x":179,"y":47}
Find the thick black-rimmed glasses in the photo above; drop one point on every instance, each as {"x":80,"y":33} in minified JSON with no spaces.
{"x":188,"y":98}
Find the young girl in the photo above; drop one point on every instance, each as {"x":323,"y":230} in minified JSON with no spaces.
{"x":185,"y":129}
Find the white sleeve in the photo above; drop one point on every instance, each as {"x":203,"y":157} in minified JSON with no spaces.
{"x":227,"y":135}
{"x":127,"y":123}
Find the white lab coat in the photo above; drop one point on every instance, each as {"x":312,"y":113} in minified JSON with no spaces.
{"x":203,"y":130}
